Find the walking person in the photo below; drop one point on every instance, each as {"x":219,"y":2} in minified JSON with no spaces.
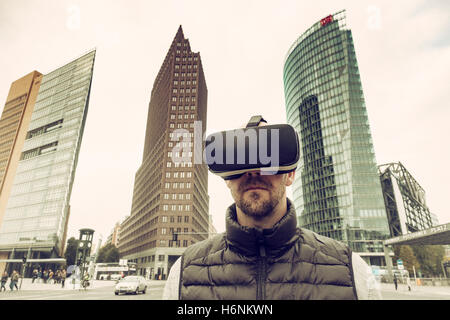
{"x":50,"y":276}
{"x":63,"y":277}
{"x":4,"y":279}
{"x":14,"y":280}
{"x":408,"y":283}
{"x":263,"y":254}
{"x":45,"y":275}
{"x":57,"y":276}
{"x":40,"y":276}
{"x":395,"y":282}
{"x":35,"y":275}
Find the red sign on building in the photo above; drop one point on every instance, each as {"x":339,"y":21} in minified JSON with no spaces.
{"x":326,"y":20}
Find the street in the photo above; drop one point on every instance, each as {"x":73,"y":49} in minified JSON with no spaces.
{"x":100,"y":290}
{"x":104,"y":290}
{"x":388,"y":292}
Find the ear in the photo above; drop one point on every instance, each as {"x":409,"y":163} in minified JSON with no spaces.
{"x":290,"y":178}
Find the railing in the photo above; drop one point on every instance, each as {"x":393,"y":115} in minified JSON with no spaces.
{"x":437,"y":282}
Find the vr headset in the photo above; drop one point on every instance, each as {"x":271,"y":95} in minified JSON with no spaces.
{"x":269,"y":149}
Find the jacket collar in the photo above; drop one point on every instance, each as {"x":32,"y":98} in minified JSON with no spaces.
{"x":275,"y":241}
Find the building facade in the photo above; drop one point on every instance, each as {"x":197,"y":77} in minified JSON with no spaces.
{"x":38,"y":206}
{"x":170,"y":198}
{"x":404,"y":199}
{"x":113,"y":238}
{"x":337,"y":190}
{"x":14,"y":124}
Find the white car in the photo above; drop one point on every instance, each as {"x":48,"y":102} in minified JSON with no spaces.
{"x":131,"y":284}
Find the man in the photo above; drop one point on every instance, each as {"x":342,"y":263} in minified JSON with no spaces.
{"x":34,"y":275}
{"x":263,"y":255}
{"x":63,"y":277}
{"x":3,"y":281}
{"x":14,"y":280}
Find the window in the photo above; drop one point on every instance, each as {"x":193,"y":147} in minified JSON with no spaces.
{"x":179,"y":220}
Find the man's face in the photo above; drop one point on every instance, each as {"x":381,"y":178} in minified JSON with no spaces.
{"x":257,"y":195}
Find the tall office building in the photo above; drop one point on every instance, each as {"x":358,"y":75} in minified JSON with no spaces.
{"x":170,"y":199}
{"x":337,"y":190}
{"x":404,"y":198}
{"x":37,"y":208}
{"x":14,"y":123}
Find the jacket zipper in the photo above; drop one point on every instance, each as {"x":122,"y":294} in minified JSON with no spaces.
{"x":261,"y":277}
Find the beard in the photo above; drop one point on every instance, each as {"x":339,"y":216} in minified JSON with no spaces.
{"x":254,"y":204}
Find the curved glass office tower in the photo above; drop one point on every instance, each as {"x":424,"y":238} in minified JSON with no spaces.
{"x":337,"y":190}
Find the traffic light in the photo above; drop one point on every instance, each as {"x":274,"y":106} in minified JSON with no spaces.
{"x":24,"y":259}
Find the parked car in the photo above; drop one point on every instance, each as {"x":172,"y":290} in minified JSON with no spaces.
{"x":131,"y":284}
{"x":116,"y":276}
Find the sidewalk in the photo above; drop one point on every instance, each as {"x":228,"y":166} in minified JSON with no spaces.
{"x":416,"y":288}
{"x":27,"y":285}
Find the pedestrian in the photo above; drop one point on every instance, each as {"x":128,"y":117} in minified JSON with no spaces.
{"x":14,"y":280}
{"x":57,"y":276}
{"x":34,"y":275}
{"x":263,"y":254}
{"x":45,"y":275}
{"x":395,"y":281}
{"x":408,"y":283}
{"x":50,"y":276}
{"x":63,"y":277}
{"x":3,"y":281}
{"x":39,"y":275}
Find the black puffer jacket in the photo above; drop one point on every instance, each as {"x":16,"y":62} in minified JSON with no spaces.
{"x":284,"y":262}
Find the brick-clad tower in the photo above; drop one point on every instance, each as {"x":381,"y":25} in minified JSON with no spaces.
{"x":169,"y":197}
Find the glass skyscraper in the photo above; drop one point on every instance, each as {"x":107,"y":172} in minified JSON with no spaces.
{"x":337,"y":190}
{"x":37,"y":209}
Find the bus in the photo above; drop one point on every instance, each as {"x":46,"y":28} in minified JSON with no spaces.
{"x":113,"y":271}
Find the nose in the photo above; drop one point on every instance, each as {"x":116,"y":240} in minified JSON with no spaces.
{"x":252,"y":173}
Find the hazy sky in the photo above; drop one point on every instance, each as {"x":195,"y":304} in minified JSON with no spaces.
{"x":402,"y":47}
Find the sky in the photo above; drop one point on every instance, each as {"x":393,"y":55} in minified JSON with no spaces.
{"x":402,"y":48}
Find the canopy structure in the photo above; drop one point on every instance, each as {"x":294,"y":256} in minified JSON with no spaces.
{"x":437,"y":235}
